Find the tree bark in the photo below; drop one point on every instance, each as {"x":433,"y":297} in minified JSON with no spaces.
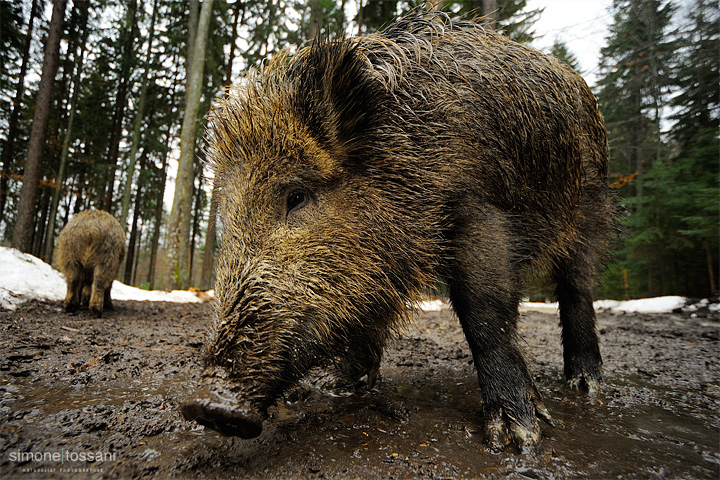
{"x":31,"y":176}
{"x":50,"y":235}
{"x":9,"y":147}
{"x":197,"y":214}
{"x":177,"y":272}
{"x":131,"y":251}
{"x":120,"y":104}
{"x":206,"y":273}
{"x":489,"y":13}
{"x":315,"y":20}
{"x":155,"y":238}
{"x":711,"y":269}
{"x":135,"y":142}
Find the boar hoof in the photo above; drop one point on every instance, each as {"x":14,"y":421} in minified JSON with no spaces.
{"x":586,"y":383}
{"x":499,"y":434}
{"x":231,"y":420}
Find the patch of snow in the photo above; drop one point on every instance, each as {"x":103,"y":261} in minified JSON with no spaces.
{"x":433,"y":305}
{"x":24,"y":277}
{"x":645,"y":305}
{"x":547,"y":307}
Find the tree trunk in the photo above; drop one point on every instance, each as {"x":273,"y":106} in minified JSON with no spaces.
{"x":315,"y":20}
{"x":135,"y":142}
{"x":206,"y":273}
{"x":489,"y":13}
{"x":177,"y":272}
{"x":38,"y":237}
{"x":31,"y":176}
{"x":192,"y":32}
{"x":120,"y":104}
{"x":138,"y":242}
{"x":130,"y":259}
{"x":155,"y":238}
{"x":50,"y":236}
{"x":9,"y":147}
{"x":233,"y":40}
{"x":711,"y":270}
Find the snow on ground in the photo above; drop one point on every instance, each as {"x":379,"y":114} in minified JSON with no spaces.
{"x":24,"y":277}
{"x":645,"y":305}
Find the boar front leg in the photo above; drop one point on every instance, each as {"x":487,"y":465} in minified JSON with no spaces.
{"x":485,"y":294}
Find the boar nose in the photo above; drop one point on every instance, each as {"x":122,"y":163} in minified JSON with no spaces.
{"x":214,"y":408}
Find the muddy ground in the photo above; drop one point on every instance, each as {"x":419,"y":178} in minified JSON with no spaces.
{"x":74,"y":388}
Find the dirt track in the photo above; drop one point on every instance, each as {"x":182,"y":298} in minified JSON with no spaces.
{"x":73,"y":386}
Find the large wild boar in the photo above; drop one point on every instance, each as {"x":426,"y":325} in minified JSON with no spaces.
{"x":89,"y":251}
{"x":359,"y":171}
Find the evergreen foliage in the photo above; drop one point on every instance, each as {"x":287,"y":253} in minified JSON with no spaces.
{"x":658,"y":92}
{"x":658,"y":79}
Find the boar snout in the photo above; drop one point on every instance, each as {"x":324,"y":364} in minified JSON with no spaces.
{"x":215,"y":406}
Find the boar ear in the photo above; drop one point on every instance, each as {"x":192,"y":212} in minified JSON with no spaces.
{"x":339,"y":98}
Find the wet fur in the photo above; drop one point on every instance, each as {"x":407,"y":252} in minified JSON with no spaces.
{"x":89,"y":251}
{"x":435,"y":149}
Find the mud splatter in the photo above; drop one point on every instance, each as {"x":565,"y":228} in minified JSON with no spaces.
{"x":73,"y":384}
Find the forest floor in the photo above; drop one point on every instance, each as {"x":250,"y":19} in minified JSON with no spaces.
{"x":74,"y":388}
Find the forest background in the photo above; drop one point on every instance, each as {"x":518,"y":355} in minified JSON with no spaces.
{"x":99,"y":98}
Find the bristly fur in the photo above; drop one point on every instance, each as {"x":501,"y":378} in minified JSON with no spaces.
{"x":89,"y":251}
{"x":409,"y":142}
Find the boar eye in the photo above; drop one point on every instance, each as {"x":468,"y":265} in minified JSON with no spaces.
{"x":296,"y":200}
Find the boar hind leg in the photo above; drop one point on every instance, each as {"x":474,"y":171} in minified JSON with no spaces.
{"x":74,"y":292}
{"x":107,"y":301}
{"x":362,"y":360}
{"x":485,"y":296}
{"x":575,"y":280}
{"x":100,"y":286}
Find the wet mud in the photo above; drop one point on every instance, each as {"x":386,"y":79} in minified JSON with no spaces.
{"x":82,"y":397}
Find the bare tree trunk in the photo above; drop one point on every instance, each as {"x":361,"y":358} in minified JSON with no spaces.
{"x":9,"y":147}
{"x":137,"y":126}
{"x":120,"y":104}
{"x":489,"y":13}
{"x":155,"y":238}
{"x":315,"y":20}
{"x":177,"y":272}
{"x":130,"y":258}
{"x":50,"y":236}
{"x":206,"y":273}
{"x":711,"y":269}
{"x":237,"y":18}
{"x":192,"y":32}
{"x":206,"y":277}
{"x":31,"y":177}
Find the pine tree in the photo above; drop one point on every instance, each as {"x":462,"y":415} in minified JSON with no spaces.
{"x":10,"y":41}
{"x":22,"y":234}
{"x":560,"y":51}
{"x":177,"y":273}
{"x":695,"y":172}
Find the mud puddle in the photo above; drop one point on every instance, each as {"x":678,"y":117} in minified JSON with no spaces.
{"x":72,"y":387}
